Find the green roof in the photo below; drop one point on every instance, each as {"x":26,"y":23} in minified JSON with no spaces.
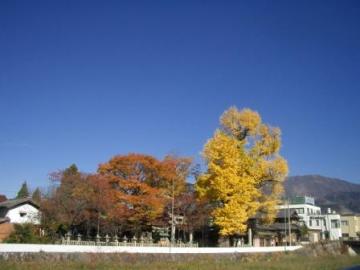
{"x":302,"y":200}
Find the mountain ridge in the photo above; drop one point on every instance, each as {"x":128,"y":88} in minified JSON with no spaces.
{"x":341,"y":195}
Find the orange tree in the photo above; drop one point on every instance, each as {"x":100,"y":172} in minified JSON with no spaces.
{"x":143,"y":185}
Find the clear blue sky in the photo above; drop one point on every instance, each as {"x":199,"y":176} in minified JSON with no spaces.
{"x":81,"y":81}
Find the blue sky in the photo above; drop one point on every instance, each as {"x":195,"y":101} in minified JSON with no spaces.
{"x":81,"y":81}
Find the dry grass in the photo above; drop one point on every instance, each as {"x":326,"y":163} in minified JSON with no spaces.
{"x":182,"y":262}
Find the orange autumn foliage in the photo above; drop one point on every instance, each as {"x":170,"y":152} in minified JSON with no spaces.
{"x":142,"y":185}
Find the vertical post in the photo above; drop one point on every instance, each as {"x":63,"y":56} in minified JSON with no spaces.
{"x":172,"y":214}
{"x":285,"y":225}
{"x":150,"y":239}
{"x":191,"y":236}
{"x":250,"y":237}
{"x":289,"y":223}
{"x":98,"y":224}
{"x":68,"y":237}
{"x":78,"y":238}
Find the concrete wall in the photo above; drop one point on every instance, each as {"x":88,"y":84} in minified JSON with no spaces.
{"x":34,"y":248}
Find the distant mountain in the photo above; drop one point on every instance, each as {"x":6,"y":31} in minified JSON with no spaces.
{"x":340,"y":195}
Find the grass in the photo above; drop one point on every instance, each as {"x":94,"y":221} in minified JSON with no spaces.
{"x":182,"y":262}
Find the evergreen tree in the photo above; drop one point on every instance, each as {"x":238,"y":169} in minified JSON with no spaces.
{"x":72,"y":170}
{"x":36,"y":196}
{"x":23,"y":192}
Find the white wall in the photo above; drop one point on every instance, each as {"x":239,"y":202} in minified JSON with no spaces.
{"x":8,"y":248}
{"x":310,"y":212}
{"x":32,"y":214}
{"x":335,"y":233}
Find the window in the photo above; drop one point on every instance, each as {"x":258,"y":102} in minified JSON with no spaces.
{"x":335,"y":224}
{"x":344,"y":223}
{"x":22,"y":214}
{"x":300,"y":210}
{"x":310,"y":222}
{"x":308,"y":211}
{"x":317,"y":223}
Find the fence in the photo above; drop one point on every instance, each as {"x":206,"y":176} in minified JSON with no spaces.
{"x":124,"y":242}
{"x":34,"y":248}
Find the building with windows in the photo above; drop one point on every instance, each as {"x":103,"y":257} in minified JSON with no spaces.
{"x":320,"y":226}
{"x":350,"y":226}
{"x":285,"y":230}
{"x":17,"y":211}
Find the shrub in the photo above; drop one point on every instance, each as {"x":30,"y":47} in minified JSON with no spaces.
{"x":25,"y":233}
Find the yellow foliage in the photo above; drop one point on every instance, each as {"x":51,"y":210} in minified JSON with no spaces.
{"x":244,"y":170}
{"x":239,"y":123}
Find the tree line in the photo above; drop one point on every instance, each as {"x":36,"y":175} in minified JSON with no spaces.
{"x":130,"y":194}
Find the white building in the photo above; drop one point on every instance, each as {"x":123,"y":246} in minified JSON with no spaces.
{"x":333,"y":225}
{"x":320,"y":226}
{"x":20,"y":211}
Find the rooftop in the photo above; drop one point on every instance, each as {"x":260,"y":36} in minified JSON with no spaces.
{"x":302,"y":200}
{"x":15,"y":202}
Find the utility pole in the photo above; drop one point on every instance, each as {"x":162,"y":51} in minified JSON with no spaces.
{"x":289,"y":223}
{"x":285,"y":225}
{"x":172,"y":240}
{"x":98,"y":224}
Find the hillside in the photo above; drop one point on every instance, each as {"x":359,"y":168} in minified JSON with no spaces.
{"x":340,"y":195}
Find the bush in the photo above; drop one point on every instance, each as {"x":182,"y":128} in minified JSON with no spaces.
{"x":25,"y":233}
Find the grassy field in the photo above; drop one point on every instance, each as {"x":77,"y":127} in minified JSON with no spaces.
{"x":134,"y":262}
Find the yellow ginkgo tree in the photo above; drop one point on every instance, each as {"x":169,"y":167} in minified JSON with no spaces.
{"x":245,"y":171}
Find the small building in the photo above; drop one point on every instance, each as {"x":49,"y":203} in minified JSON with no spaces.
{"x":20,"y":211}
{"x":285,"y":229}
{"x":309,"y":214}
{"x":350,"y":226}
{"x":332,"y":222}
{"x":320,"y":226}
{"x":17,"y":211}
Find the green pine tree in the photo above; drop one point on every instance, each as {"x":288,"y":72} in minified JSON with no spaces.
{"x":23,"y":192}
{"x":71,"y":170}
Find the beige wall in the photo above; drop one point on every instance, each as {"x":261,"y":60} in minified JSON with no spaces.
{"x":350,"y":225}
